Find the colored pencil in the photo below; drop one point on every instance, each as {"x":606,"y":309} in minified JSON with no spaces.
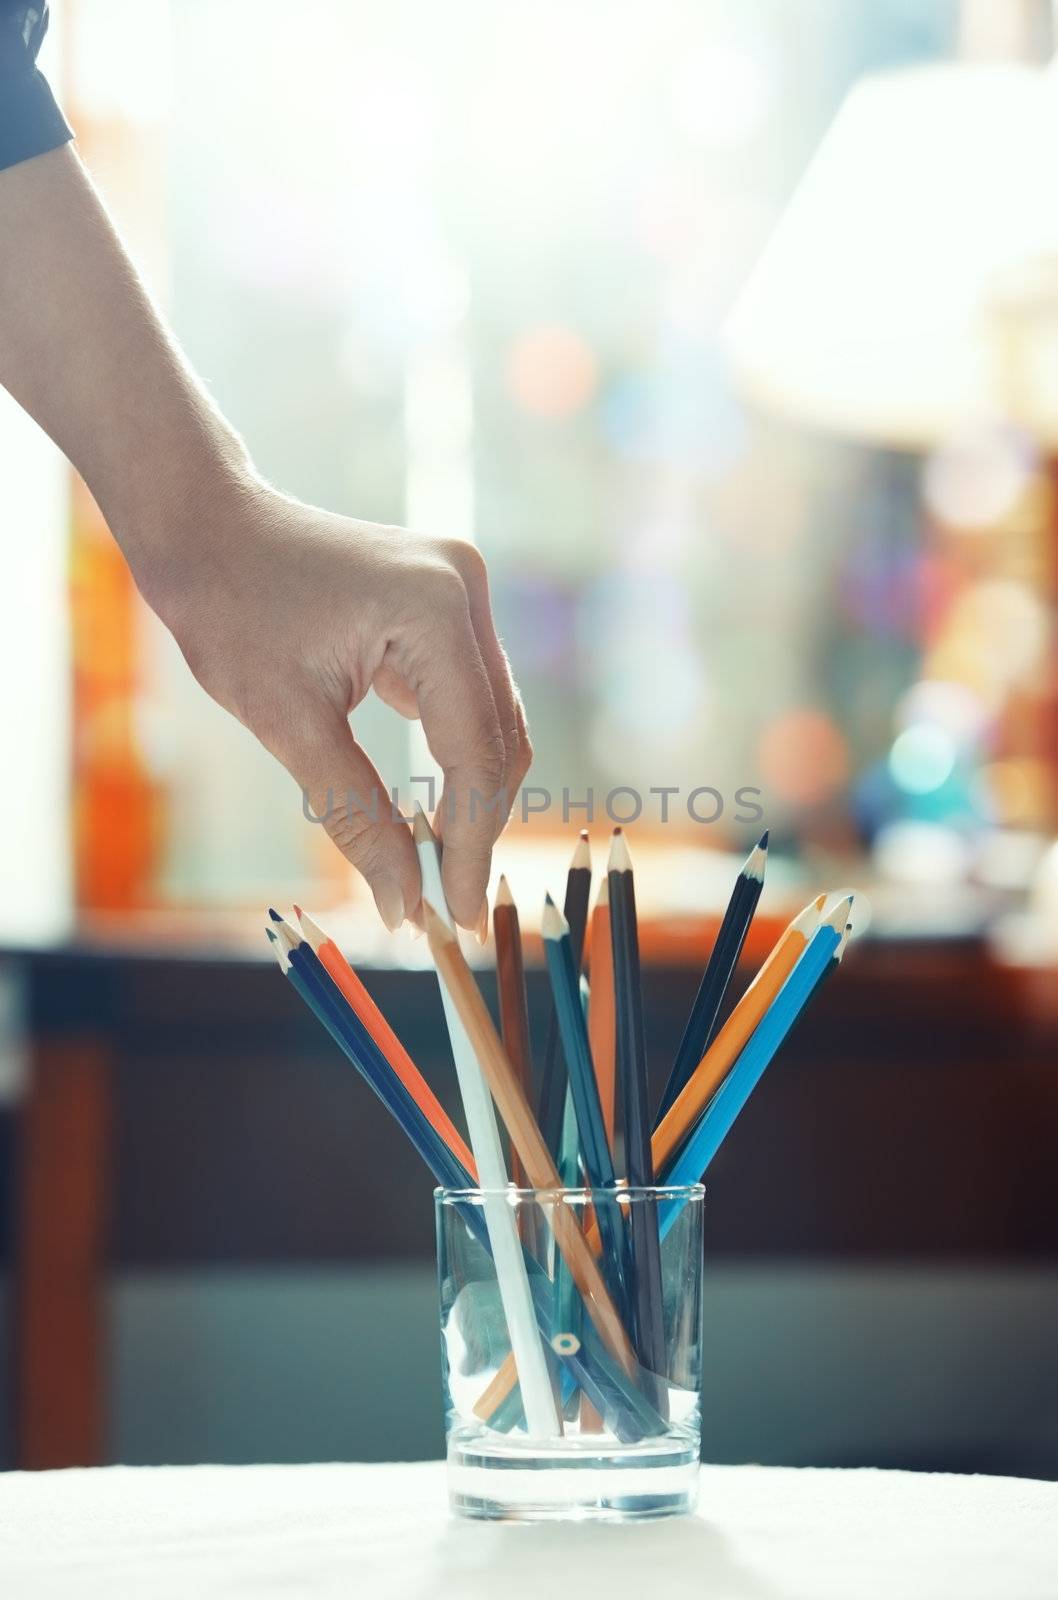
{"x":514,"y":1010}
{"x":826,"y":945}
{"x":573,"y":1035}
{"x":346,"y":980}
{"x":525,"y":1134}
{"x":541,"y":1413}
{"x":646,"y":1292}
{"x":602,"y":1025}
{"x":702,"y":1021}
{"x":553,"y":1078}
{"x":590,"y":1368}
{"x":357,"y":1045}
{"x":689,"y":1168}
{"x":734,"y":1035}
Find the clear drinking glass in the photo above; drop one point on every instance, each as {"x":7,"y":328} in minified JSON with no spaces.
{"x":628,"y":1439}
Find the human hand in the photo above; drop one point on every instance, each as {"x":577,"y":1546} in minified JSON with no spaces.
{"x":288,"y":615}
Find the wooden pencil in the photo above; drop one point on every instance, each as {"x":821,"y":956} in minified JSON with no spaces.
{"x":704,"y":1014}
{"x":826,"y":945}
{"x":733,"y":1037}
{"x":514,"y":1009}
{"x":602,"y":1027}
{"x":552,"y":1100}
{"x":541,"y":1413}
{"x":353,"y":990}
{"x":299,"y":966}
{"x":665,"y":1145}
{"x":525,"y":1134}
{"x":646,"y":1288}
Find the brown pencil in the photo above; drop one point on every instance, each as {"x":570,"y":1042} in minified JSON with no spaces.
{"x":514,"y":1011}
{"x":525,"y":1135}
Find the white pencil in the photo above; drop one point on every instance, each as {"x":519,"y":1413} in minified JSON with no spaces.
{"x":541,"y":1413}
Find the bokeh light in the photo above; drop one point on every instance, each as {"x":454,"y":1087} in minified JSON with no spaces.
{"x":975,"y":481}
{"x":922,"y":758}
{"x":802,"y":757}
{"x":924,"y":854}
{"x":552,"y":372}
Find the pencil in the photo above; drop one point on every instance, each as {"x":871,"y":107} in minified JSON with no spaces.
{"x":514,"y":1010}
{"x":316,"y":991}
{"x":553,"y":1078}
{"x":731,"y":1041}
{"x":613,"y":1393}
{"x":735,"y":1034}
{"x":352,"y":989}
{"x":602,"y":1031}
{"x":525,"y":1134}
{"x":827,"y":944}
{"x":573,"y":1035}
{"x":541,"y":1413}
{"x":701,"y":1023}
{"x":646,"y":1290}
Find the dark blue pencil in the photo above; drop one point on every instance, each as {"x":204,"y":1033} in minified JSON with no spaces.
{"x":705,"y":1012}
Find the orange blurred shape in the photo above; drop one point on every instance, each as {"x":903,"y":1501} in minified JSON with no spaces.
{"x":551,"y":371}
{"x":802,"y":757}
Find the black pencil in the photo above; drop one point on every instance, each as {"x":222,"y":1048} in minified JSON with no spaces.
{"x":552,"y":1101}
{"x":646,"y":1290}
{"x":702,"y":1023}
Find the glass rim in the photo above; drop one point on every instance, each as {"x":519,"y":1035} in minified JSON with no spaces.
{"x":651,"y":1191}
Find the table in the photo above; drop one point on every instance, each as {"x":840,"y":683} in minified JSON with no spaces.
{"x":761,"y":1533}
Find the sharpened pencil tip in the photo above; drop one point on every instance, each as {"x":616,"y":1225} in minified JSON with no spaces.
{"x":553,"y":924}
{"x":504,"y":897}
{"x":840,"y":915}
{"x":619,"y":859}
{"x":762,"y":842}
{"x":270,"y":934}
{"x":581,"y":860}
{"x":311,"y":931}
{"x":274,"y":914}
{"x":756,"y":862}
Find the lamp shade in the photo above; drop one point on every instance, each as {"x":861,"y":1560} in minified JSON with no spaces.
{"x":911,"y":288}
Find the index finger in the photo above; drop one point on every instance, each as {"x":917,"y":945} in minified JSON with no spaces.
{"x":463,"y":730}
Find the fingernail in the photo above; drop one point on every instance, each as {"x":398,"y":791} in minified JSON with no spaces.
{"x":389,"y":900}
{"x":482,"y":929}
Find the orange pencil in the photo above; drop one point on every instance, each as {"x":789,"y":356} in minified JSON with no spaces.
{"x":733,"y":1037}
{"x":712,"y":1070}
{"x":352,"y":990}
{"x":602,"y":1028}
{"x":525,"y":1134}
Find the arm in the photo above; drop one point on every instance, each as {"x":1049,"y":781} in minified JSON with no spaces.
{"x":286,"y":614}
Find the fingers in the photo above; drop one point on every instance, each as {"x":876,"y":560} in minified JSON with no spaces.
{"x":345,"y":791}
{"x":517,"y":749}
{"x":463,"y":730}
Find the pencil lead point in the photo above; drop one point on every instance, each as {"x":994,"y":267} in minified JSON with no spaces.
{"x":619,"y":859}
{"x":297,"y":910}
{"x":581,"y":861}
{"x":504,"y":897}
{"x":762,"y":842}
{"x":274,"y":914}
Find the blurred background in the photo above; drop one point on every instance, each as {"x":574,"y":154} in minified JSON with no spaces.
{"x":729,"y":332}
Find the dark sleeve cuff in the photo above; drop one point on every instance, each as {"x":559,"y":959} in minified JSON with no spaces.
{"x":30,"y":120}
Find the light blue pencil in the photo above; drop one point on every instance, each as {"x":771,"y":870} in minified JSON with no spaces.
{"x":719,"y":1117}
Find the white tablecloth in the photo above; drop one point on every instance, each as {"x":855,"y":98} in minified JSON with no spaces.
{"x":761,"y":1533}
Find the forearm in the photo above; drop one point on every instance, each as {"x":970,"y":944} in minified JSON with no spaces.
{"x":84,"y":351}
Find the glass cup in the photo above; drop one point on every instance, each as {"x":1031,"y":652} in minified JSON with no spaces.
{"x":626,"y":1441}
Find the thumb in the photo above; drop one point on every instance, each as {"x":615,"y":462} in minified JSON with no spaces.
{"x":342,"y":789}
